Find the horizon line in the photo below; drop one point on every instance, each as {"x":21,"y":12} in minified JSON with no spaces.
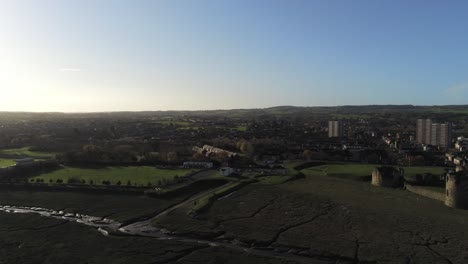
{"x":225,"y":109}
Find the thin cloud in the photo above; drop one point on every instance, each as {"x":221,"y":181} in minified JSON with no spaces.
{"x":458,"y":89}
{"x":69,"y":70}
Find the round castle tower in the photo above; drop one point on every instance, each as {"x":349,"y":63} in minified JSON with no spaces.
{"x":387,"y":177}
{"x":456,"y":190}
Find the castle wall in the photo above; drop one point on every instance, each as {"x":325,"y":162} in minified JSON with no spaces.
{"x":425,"y":192}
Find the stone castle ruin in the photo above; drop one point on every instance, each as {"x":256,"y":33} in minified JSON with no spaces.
{"x":456,"y":185}
{"x":387,"y":176}
{"x":456,"y":190}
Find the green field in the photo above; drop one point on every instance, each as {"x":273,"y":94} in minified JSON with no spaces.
{"x":349,"y":171}
{"x":274,"y":180}
{"x":170,"y":122}
{"x":412,"y":171}
{"x":6,"y":163}
{"x":241,"y":128}
{"x":138,"y":176}
{"x":361,"y":171}
{"x":206,"y":200}
{"x":26,"y":152}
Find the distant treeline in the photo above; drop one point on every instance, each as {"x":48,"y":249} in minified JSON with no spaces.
{"x":20,"y":174}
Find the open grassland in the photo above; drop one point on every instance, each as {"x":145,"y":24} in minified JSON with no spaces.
{"x":275,"y":179}
{"x":25,"y":152}
{"x":31,"y":239}
{"x":349,"y":171}
{"x":205,"y":201}
{"x":413,"y":171}
{"x":119,"y":207}
{"x":136,"y":176}
{"x":332,"y":219}
{"x":290,"y":165}
{"x":242,"y":128}
{"x":6,"y":163}
{"x":170,"y":122}
{"x":357,"y":171}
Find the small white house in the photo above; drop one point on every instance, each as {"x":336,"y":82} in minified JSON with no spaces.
{"x":226,"y":171}
{"x":194,"y":164}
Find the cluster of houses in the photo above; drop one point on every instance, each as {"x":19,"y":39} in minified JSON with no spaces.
{"x":210,"y":151}
{"x":458,"y":156}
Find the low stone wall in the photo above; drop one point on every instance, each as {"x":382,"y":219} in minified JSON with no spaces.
{"x":426,"y":192}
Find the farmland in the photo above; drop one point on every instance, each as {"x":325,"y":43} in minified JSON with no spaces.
{"x":363,"y":171}
{"x":6,"y":163}
{"x":135,"y":175}
{"x":319,"y":217}
{"x":33,"y":239}
{"x":331,"y":218}
{"x":26,"y":152}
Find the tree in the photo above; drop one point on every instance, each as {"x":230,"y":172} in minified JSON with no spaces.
{"x":172,"y":157}
{"x":308,"y":154}
{"x":222,"y":157}
{"x":246,"y":147}
{"x":198,"y":157}
{"x":152,"y":156}
{"x":74,"y":180}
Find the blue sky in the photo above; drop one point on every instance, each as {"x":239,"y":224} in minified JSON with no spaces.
{"x":88,"y":55}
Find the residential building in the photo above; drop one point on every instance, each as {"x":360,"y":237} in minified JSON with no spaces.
{"x":423,"y":127}
{"x":461,"y":144}
{"x":437,"y":134}
{"x":195,"y":164}
{"x":335,"y":129}
{"x":226,"y":171}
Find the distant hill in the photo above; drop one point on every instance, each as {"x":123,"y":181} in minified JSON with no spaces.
{"x":279,"y":111}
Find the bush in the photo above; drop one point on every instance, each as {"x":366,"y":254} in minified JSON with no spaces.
{"x":106,"y":182}
{"x":74,"y":180}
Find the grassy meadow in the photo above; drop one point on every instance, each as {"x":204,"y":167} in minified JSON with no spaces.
{"x":27,"y":152}
{"x":357,"y":171}
{"x":137,"y":176}
{"x":6,"y":163}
